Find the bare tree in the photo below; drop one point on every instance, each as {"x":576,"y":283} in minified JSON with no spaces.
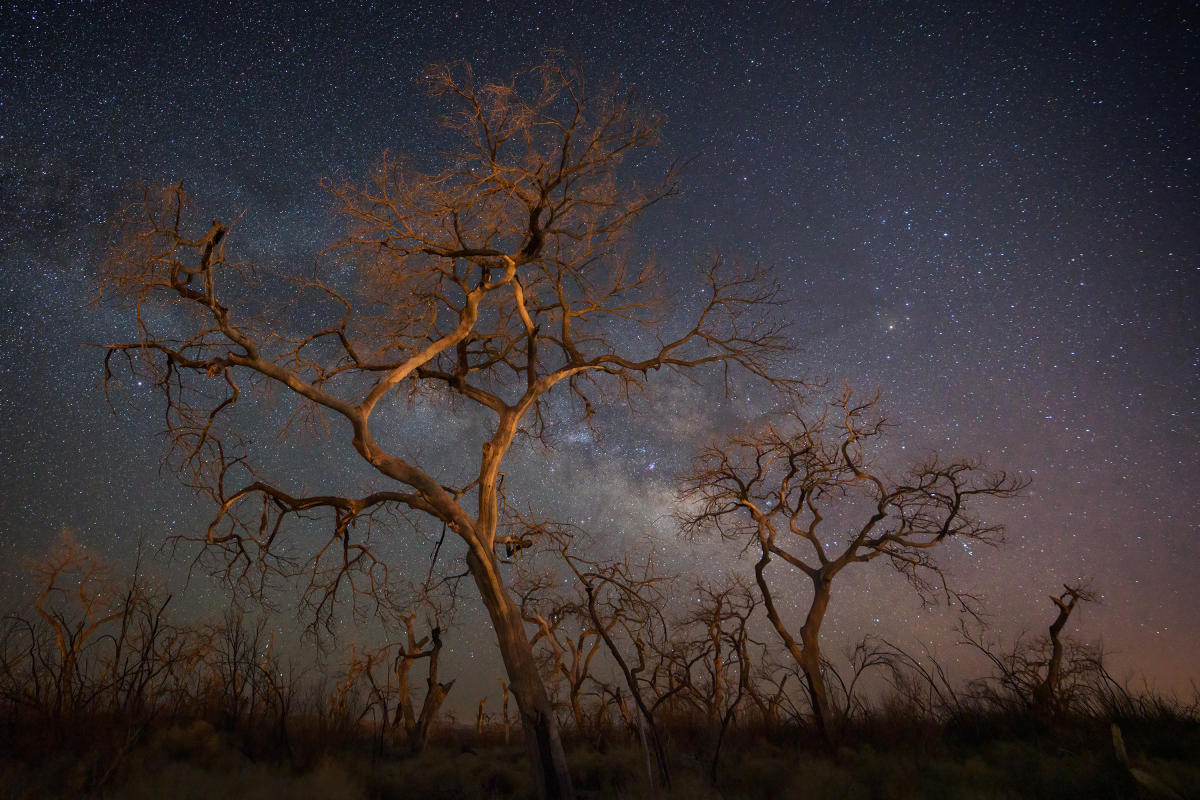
{"x":803,"y":491}
{"x":716,"y":672}
{"x":417,"y":725}
{"x":709,"y":648}
{"x":79,"y":598}
{"x":922,"y":689}
{"x":239,"y":650}
{"x":565,"y":635}
{"x":504,"y":709}
{"x":622,"y":604}
{"x":1046,"y":693}
{"x":499,"y":281}
{"x":866,"y":655}
{"x":1047,"y":675}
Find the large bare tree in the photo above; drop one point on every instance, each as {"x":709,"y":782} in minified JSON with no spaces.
{"x":804,"y":491}
{"x":492,"y":284}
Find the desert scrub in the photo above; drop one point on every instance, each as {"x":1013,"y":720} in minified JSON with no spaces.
{"x":184,"y":781}
{"x":616,"y":772}
{"x":451,"y":774}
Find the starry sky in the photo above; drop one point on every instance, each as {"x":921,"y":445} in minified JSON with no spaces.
{"x":989,"y":212}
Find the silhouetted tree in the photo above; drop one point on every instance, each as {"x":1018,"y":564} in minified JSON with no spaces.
{"x":803,"y":490}
{"x":623,"y":604}
{"x":498,"y":281}
{"x":716,"y":669}
{"x":1046,"y":693}
{"x":566,"y":636}
{"x":1047,"y":675}
{"x":78,"y":600}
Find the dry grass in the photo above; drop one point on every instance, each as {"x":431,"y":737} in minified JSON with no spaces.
{"x":195,"y":762}
{"x":893,"y":753}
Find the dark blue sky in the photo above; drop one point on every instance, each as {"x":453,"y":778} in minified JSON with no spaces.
{"x":989,"y":212}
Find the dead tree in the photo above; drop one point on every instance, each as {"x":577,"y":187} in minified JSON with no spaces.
{"x":867,"y":655}
{"x":1046,"y":693}
{"x":504,"y":708}
{"x":623,"y":603}
{"x":238,"y":684}
{"x":386,"y":672}
{"x":717,"y":672}
{"x":568,"y":637}
{"x":503,"y":279}
{"x":417,"y":725}
{"x":709,"y":650}
{"x":1045,"y":675}
{"x":90,"y":643}
{"x":802,"y":490}
{"x":78,"y":600}
{"x":921,"y":686}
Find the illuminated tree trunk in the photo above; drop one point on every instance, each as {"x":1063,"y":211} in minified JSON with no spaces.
{"x":806,"y":651}
{"x":543,"y":740}
{"x":810,"y":656}
{"x":542,"y":737}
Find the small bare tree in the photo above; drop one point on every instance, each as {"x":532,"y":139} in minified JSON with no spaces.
{"x":716,"y":670}
{"x":384,"y":675}
{"x":1047,"y":675}
{"x":78,"y":601}
{"x":417,"y":724}
{"x":803,"y":491}
{"x":1046,"y":693}
{"x":498,"y":281}
{"x":622,"y":603}
{"x":569,"y":640}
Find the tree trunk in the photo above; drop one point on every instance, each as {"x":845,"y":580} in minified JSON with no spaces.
{"x":435,"y":695}
{"x":1045,"y":694}
{"x":807,"y":651}
{"x":542,"y":739}
{"x":810,"y":661}
{"x":504,"y":713}
{"x":577,"y":712}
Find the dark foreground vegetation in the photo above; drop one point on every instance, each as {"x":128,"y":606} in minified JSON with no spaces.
{"x":889,"y":753}
{"x":104,"y":694}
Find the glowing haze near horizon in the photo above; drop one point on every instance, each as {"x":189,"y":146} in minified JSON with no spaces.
{"x":988,"y":212}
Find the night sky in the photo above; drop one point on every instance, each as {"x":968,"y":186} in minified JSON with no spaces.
{"x":988,"y":212}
